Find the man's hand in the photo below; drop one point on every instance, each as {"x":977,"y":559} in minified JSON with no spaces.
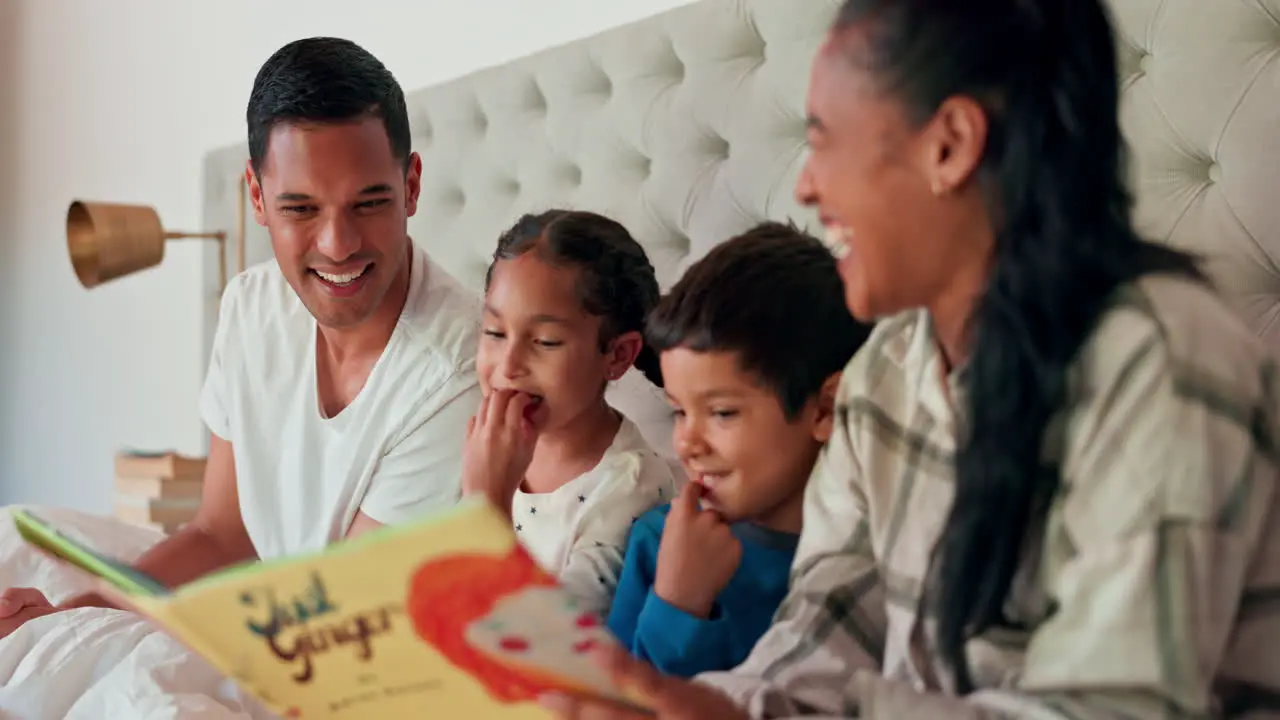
{"x":499,"y":449}
{"x":671,"y":698}
{"x":698,"y":555}
{"x":18,"y":605}
{"x":215,"y":539}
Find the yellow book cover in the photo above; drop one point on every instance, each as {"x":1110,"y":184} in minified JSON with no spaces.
{"x":447,"y":617}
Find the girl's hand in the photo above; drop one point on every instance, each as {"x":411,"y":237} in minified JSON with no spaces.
{"x":500,"y":442}
{"x":671,"y":698}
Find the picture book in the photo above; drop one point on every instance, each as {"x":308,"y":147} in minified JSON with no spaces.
{"x":446,"y":617}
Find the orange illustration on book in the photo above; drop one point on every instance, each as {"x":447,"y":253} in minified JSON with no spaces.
{"x":500,"y":617}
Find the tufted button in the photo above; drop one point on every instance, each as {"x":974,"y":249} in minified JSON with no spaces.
{"x":480,"y":267}
{"x":420,"y":125}
{"x":716,"y":146}
{"x":454,"y":198}
{"x":678,"y":68}
{"x":510,"y":186}
{"x":1145,"y":63}
{"x":1129,"y":58}
{"x":1215,"y":173}
{"x":604,"y":84}
{"x":481,"y":121}
{"x":753,"y":43}
{"x":572,"y":174}
{"x":645,"y":164}
{"x":681,"y":243}
{"x":537,"y":98}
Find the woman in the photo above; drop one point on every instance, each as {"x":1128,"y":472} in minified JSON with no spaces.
{"x":1052,"y":492}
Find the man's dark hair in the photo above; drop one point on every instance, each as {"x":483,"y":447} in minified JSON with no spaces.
{"x":773,"y":296}
{"x":324,"y":80}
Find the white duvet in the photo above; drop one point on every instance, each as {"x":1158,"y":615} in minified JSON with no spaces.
{"x":95,"y":663}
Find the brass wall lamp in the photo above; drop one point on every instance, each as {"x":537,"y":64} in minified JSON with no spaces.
{"x":110,"y":240}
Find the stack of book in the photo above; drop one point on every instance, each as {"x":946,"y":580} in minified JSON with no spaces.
{"x":157,"y":490}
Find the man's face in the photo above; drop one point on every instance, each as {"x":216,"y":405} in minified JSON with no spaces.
{"x":336,"y":203}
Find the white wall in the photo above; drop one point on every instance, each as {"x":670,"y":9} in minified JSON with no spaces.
{"x":118,"y":101}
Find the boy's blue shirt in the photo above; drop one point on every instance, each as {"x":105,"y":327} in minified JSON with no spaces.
{"x":681,"y":644}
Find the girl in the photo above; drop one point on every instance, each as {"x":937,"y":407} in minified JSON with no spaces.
{"x":1052,"y":488}
{"x":565,"y":302}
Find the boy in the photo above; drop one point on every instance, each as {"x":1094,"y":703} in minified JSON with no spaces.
{"x":751,"y":341}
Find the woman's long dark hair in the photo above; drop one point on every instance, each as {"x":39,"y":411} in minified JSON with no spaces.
{"x":1054,"y":176}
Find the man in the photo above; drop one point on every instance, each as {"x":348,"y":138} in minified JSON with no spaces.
{"x":343,"y":374}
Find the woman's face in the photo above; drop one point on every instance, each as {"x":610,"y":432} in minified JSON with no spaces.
{"x":892,"y":193}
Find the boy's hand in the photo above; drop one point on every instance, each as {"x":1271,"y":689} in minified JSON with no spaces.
{"x":500,"y":442}
{"x":697,"y":557}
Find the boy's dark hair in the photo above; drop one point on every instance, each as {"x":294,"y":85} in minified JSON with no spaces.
{"x":773,"y":296}
{"x":616,"y":280}
{"x":324,"y":80}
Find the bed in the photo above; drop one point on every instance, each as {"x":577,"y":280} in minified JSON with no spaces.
{"x":688,"y":127}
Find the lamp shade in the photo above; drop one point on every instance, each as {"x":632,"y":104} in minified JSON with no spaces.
{"x":107,"y":240}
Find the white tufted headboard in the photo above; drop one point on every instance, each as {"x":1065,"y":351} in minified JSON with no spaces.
{"x":689,"y":127}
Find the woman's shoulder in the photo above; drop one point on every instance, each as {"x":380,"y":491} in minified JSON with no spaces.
{"x":886,"y":370}
{"x":1190,"y":331}
{"x":1168,"y":400}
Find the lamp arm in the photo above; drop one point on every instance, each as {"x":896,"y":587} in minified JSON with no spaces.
{"x":219,"y":236}
{"x":177,"y":235}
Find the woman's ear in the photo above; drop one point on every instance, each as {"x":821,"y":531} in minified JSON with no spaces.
{"x":622,"y":353}
{"x":955,"y":145}
{"x":824,"y":422}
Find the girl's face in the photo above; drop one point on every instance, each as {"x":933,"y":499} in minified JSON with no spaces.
{"x":538,"y":340}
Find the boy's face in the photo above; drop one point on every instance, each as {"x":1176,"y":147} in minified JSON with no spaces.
{"x":734,"y":439}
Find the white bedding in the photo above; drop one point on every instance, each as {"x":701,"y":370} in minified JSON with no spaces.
{"x":95,"y":663}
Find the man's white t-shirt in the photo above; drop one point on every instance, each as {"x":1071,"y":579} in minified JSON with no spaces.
{"x":579,"y":531}
{"x":394,"y":453}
